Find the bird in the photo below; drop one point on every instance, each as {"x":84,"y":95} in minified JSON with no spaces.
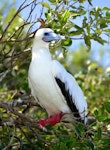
{"x":54,"y":88}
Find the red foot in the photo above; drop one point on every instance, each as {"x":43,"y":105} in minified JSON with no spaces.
{"x":52,"y":120}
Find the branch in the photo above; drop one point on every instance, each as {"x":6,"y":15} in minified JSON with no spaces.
{"x":12,"y":19}
{"x":20,"y":120}
{"x":10,"y":108}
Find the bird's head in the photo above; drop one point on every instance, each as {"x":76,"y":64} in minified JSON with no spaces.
{"x":46,"y":35}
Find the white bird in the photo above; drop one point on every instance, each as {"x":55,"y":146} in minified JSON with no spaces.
{"x":51,"y":85}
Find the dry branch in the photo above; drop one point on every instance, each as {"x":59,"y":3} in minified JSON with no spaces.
{"x":19,"y":120}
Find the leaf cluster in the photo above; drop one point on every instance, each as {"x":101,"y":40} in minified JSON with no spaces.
{"x":62,"y":17}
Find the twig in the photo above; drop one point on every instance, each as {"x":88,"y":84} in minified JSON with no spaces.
{"x":11,"y":140}
{"x":25,"y":135}
{"x":38,"y":136}
{"x":9,"y":108}
{"x":3,"y":74}
{"x":17,"y":12}
{"x":17,"y":103}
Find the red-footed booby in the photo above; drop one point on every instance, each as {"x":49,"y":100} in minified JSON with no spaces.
{"x":52,"y":86}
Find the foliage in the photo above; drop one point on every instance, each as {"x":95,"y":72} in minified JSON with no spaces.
{"x":91,"y":27}
{"x":18,"y":111}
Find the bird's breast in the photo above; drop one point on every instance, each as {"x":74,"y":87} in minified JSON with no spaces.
{"x":45,"y":89}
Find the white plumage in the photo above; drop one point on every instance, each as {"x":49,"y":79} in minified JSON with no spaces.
{"x":51,"y":85}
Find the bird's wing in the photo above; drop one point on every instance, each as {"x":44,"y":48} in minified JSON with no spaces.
{"x":71,"y":90}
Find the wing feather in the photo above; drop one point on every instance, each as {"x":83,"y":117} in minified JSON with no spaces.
{"x":71,"y":91}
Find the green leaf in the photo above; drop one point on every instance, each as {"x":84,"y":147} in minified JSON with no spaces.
{"x":98,"y":39}
{"x":96,"y":112}
{"x":107,"y":30}
{"x":99,"y":133}
{"x":106,"y":143}
{"x":63,"y":146}
{"x":81,"y":10}
{"x":76,"y":26}
{"x":89,"y":144}
{"x":80,"y":128}
{"x":46,"y":5}
{"x":107,"y":106}
{"x":65,"y":16}
{"x":77,"y":32}
{"x":108,"y":14}
{"x":103,"y":23}
{"x":105,"y":8}
{"x":67,"y":42}
{"x":87,"y":41}
{"x":79,"y":13}
{"x":52,"y":1}
{"x":85,"y":22}
{"x":48,"y":15}
{"x":81,"y":1}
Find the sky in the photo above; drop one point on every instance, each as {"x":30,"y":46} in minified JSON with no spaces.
{"x":95,"y":45}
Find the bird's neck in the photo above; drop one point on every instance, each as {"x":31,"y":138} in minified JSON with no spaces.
{"x":40,"y":52}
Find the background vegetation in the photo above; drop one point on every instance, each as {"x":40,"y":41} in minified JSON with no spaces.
{"x":18,"y":110}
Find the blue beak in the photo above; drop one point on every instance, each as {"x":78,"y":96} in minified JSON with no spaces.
{"x":51,"y":36}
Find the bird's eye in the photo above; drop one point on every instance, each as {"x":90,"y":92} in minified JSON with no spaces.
{"x":46,"y":33}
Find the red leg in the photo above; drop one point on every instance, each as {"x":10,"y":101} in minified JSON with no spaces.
{"x":52,"y":120}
